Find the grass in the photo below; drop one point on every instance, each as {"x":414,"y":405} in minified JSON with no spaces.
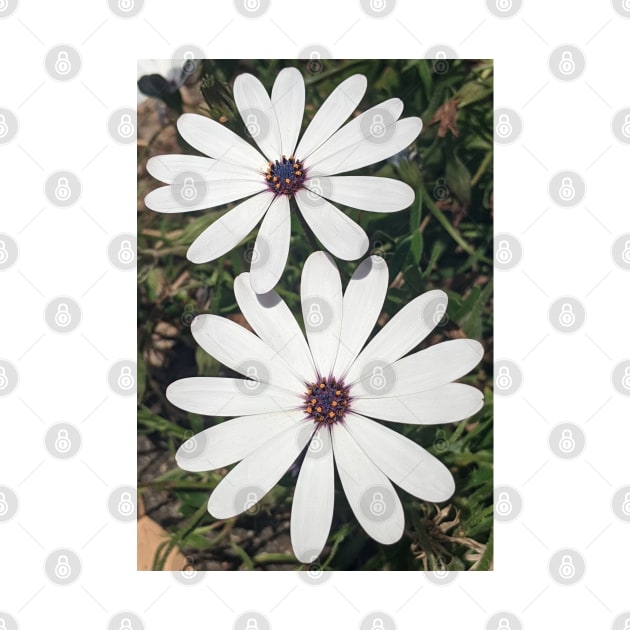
{"x":444,"y":240}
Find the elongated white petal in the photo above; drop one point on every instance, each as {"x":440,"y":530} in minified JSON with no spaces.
{"x":249,"y":481}
{"x":365,"y":150}
{"x":212,"y":396}
{"x":272,"y":246}
{"x":274,"y":323}
{"x":213,"y":139}
{"x":336,"y":231}
{"x":400,"y":335}
{"x":321,"y":308}
{"x":287,"y":97}
{"x":334,"y":111}
{"x":313,"y":500}
{"x":374,"y":194}
{"x":257,"y":112}
{"x":358,"y":129}
{"x":406,"y":463}
{"x":370,"y":493}
{"x":166,"y":168}
{"x":424,"y":370}
{"x":189,"y":195}
{"x":245,"y":353}
{"x":232,"y":440}
{"x":229,"y":230}
{"x":448,"y":403}
{"x":362,"y":304}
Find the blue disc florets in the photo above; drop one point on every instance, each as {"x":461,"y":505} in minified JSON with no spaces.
{"x":326,"y":401}
{"x":285,"y":176}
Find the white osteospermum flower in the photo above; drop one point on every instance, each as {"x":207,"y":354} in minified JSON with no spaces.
{"x":318,"y":394}
{"x":308,"y":171}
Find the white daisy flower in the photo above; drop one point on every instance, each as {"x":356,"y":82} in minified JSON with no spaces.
{"x":320,"y":394}
{"x":307,"y":170}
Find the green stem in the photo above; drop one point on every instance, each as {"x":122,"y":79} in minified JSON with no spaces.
{"x":482,"y":167}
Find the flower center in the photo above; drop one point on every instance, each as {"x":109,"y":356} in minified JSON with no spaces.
{"x":285,"y":176}
{"x":326,"y":401}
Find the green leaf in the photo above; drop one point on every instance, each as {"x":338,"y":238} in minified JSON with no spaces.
{"x":458,"y":179}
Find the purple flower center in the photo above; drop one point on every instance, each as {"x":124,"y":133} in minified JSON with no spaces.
{"x":326,"y":401}
{"x":285,"y":176}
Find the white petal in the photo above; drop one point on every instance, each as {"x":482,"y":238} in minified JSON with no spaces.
{"x":259,"y":472}
{"x":334,"y":111}
{"x":355,"y":131}
{"x":406,"y":463}
{"x":245,"y":353}
{"x":287,"y":97}
{"x":229,"y":230}
{"x":313,"y":500}
{"x":167,"y":167}
{"x":365,"y":150}
{"x":375,"y":194}
{"x":321,"y":308}
{"x":362,"y":304}
{"x":448,"y":403}
{"x":189,"y":195}
{"x":274,"y":323}
{"x":213,"y":139}
{"x":255,"y":108}
{"x":272,"y":246}
{"x":370,"y":493}
{"x":232,"y":440}
{"x":401,"y":334}
{"x":422,"y":371}
{"x":211,"y":396}
{"x":336,"y":231}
